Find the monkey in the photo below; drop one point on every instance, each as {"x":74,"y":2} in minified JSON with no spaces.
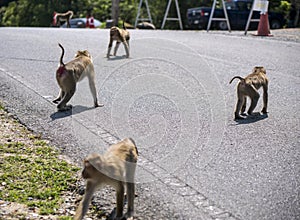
{"x":69,"y":74}
{"x":119,"y":35}
{"x":249,"y":86}
{"x":59,"y":17}
{"x":116,"y":167}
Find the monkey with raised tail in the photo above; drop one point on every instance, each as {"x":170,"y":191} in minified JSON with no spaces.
{"x":248,"y":87}
{"x":67,"y":76}
{"x":120,"y":36}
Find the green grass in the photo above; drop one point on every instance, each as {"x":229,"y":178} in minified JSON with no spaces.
{"x":32,"y":174}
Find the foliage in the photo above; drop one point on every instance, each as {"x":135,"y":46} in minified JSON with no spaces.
{"x":283,"y":7}
{"x":40,"y":12}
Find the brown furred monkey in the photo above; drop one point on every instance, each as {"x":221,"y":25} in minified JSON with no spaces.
{"x":59,"y":17}
{"x":115,"y":168}
{"x":121,"y":36}
{"x":67,"y":76}
{"x":249,"y":86}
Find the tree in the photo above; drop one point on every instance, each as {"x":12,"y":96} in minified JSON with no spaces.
{"x":115,"y":11}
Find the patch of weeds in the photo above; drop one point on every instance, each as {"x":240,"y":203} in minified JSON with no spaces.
{"x":32,"y":174}
{"x":65,"y":218}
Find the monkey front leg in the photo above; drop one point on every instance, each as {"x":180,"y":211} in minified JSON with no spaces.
{"x":120,"y":201}
{"x":109,"y":47}
{"x":126,"y":48}
{"x":68,"y":23}
{"x":84,"y":204}
{"x":130,"y":197}
{"x":116,"y":48}
{"x":93,"y":91}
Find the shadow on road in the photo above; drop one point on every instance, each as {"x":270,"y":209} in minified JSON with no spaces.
{"x":116,"y":58}
{"x":252,"y":119}
{"x":75,"y":110}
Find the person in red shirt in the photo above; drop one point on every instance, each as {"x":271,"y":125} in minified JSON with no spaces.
{"x":90,"y":21}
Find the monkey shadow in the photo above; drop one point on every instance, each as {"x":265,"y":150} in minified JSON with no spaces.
{"x":116,"y":58}
{"x":252,"y":118}
{"x":75,"y":110}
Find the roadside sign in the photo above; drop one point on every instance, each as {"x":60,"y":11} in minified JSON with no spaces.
{"x":258,"y":5}
{"x":261,"y":5}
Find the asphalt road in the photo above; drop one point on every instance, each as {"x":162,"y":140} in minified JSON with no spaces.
{"x":173,"y":97}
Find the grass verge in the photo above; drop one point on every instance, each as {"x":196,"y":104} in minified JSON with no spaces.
{"x":32,"y":172}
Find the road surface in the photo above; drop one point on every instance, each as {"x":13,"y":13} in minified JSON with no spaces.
{"x":174,"y":98}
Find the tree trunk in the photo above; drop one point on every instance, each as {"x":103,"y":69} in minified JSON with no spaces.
{"x":115,"y":12}
{"x":297,"y":4}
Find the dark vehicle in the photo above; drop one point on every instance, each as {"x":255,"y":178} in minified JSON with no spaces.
{"x":238,"y":13}
{"x":80,"y":23}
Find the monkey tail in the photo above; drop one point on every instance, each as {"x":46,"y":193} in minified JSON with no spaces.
{"x":62,"y":54}
{"x":237,"y":77}
{"x":134,"y":145}
{"x":124,"y":27}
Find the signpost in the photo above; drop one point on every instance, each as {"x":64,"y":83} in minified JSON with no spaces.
{"x":172,"y":19}
{"x":211,"y":17}
{"x":139,"y":12}
{"x":258,"y":5}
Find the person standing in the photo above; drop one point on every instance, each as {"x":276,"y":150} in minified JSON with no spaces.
{"x":90,"y":23}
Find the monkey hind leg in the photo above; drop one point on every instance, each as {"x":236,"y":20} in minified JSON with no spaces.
{"x":265,"y":99}
{"x":59,"y":97}
{"x":116,"y":48}
{"x":254,"y":101}
{"x":238,"y":109}
{"x":62,"y":106}
{"x":243,"y":110}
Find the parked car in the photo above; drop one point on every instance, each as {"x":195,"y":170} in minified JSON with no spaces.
{"x":238,"y":12}
{"x":80,"y":23}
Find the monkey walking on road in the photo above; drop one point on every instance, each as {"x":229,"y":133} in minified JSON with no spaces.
{"x":67,"y":76}
{"x":249,"y":86}
{"x":120,"y":36}
{"x":115,"y":168}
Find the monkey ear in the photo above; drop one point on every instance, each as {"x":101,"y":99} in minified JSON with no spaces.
{"x":87,"y":53}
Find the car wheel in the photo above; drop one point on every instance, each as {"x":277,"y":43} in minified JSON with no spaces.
{"x":200,"y":27}
{"x":275,"y":24}
{"x":223,"y":25}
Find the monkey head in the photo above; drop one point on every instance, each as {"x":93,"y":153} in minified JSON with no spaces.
{"x":83,"y":53}
{"x":259,"y":69}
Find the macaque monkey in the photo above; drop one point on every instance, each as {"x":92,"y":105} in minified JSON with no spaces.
{"x":59,"y":17}
{"x":115,"y":168}
{"x":67,"y":76}
{"x":119,"y":35}
{"x":249,"y":86}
